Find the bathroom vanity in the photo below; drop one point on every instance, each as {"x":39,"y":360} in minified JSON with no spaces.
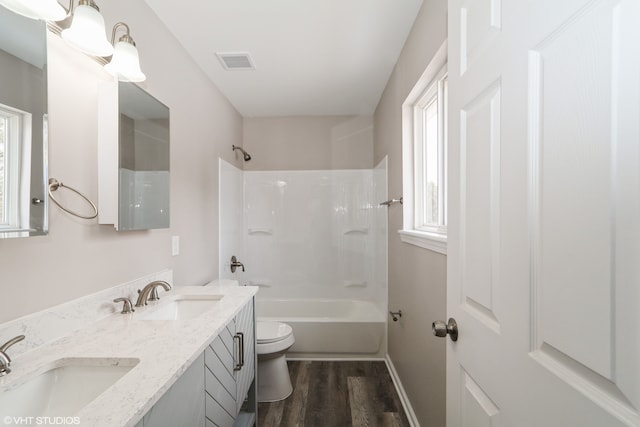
{"x":188,"y":359}
{"x":218,"y":389}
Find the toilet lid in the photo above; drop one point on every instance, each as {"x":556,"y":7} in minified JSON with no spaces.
{"x":272,"y":331}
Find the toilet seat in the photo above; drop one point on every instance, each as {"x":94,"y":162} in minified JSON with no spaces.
{"x":270,"y":332}
{"x":273,"y":337}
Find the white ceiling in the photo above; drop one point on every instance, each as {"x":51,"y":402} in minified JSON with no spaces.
{"x":312,"y":57}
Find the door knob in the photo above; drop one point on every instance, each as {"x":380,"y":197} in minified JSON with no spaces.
{"x":441,"y":329}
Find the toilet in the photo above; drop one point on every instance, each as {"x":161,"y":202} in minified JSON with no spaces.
{"x":273,"y":341}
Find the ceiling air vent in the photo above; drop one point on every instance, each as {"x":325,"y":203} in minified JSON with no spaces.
{"x":235,"y":60}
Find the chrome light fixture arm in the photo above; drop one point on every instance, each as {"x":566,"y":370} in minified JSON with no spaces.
{"x":124,"y":38}
{"x":71,"y":8}
{"x":125,"y":61}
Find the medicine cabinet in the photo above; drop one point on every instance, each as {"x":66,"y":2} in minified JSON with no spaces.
{"x":133,"y":165}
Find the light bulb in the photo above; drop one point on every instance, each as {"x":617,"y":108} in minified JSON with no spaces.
{"x":125,"y":63}
{"x":87,"y":32}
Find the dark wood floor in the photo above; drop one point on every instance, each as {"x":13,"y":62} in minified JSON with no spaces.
{"x":336,"y":394}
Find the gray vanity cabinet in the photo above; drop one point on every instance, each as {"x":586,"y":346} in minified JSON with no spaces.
{"x":228,"y":384}
{"x":182,"y":404}
{"x":230,"y":372}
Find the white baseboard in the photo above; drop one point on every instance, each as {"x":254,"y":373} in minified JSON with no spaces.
{"x":406,"y":404}
{"x":337,"y":359}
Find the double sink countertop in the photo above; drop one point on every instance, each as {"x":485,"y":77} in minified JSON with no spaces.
{"x":163,"y":349}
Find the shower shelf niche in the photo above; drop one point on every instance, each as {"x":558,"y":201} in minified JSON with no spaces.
{"x":361,"y":230}
{"x":354,"y":284}
{"x":259,"y":230}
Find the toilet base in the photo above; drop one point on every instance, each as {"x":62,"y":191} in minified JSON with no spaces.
{"x":274,"y":383}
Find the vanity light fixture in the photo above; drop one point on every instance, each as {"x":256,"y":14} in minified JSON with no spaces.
{"x":125,"y":63}
{"x":87,"y":31}
{"x":47,"y":10}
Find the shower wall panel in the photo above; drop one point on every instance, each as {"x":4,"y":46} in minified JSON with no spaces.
{"x":313,"y":234}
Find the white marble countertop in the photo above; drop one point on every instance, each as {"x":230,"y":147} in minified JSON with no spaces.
{"x":164,"y":348}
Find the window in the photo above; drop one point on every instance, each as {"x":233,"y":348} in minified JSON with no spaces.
{"x":3,"y":179}
{"x":15,"y":133}
{"x":425,"y":158}
{"x":430,"y":120}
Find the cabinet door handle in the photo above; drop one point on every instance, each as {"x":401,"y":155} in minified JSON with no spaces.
{"x":240,"y":337}
{"x":241,"y":349}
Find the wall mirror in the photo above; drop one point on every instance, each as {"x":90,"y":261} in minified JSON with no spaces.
{"x":134,"y":141}
{"x":23,"y":126}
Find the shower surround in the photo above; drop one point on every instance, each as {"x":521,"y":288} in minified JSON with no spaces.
{"x":312,"y":239}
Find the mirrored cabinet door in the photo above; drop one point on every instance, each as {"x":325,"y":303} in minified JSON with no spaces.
{"x":133,"y":158}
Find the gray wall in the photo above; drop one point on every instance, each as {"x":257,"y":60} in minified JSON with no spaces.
{"x":309,"y":143}
{"x":79,"y":257}
{"x":417,"y":277}
{"x":23,"y":88}
{"x":144,"y":144}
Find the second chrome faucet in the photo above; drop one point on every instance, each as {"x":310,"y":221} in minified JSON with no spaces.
{"x":150,"y":292}
{"x":5,"y":360}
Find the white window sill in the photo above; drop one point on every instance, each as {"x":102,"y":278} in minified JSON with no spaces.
{"x":431,"y":241}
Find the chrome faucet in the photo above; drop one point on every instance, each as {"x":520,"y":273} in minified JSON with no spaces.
{"x":150,"y":292}
{"x":5,"y":360}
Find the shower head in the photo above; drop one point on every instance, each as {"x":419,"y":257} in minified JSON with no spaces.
{"x":247,"y":157}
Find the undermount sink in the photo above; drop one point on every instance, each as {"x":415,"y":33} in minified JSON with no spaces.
{"x":63,"y":389}
{"x":183,"y":307}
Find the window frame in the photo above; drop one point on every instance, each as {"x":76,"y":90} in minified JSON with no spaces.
{"x":17,"y":173}
{"x":435,"y":93}
{"x":429,"y":87}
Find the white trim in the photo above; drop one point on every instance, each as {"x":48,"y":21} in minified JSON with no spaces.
{"x":406,"y":404}
{"x":430,"y":241}
{"x":108,"y":146}
{"x":337,"y":359}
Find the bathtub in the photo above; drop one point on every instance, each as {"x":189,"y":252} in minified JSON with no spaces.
{"x":329,"y":328}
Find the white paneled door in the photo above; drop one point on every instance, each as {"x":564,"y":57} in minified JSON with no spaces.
{"x":544,"y":202}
